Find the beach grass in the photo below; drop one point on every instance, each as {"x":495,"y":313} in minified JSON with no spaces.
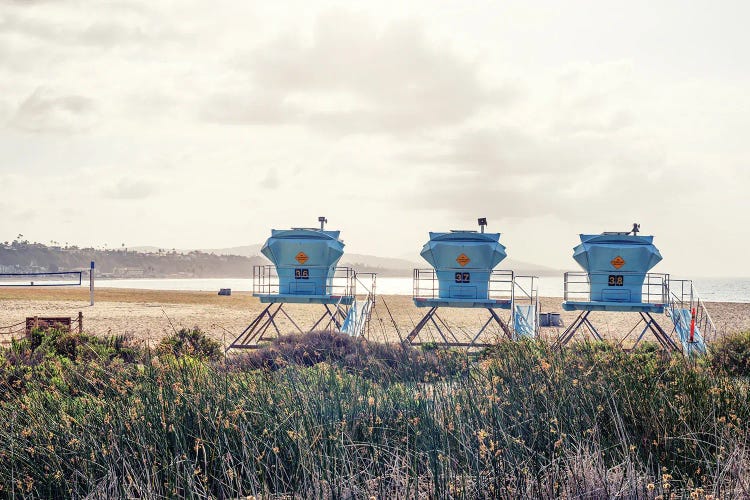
{"x":82,"y":416}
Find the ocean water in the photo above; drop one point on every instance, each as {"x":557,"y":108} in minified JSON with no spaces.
{"x":709,"y":289}
{"x":723,"y":289}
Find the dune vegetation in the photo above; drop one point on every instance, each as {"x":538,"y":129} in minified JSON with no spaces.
{"x":328,"y":416}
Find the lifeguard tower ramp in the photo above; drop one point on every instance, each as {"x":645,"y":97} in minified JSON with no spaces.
{"x":616,"y":278}
{"x":692,"y":322}
{"x":463,"y":275}
{"x":304,"y":271}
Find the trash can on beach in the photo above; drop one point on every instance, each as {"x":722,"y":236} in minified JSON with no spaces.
{"x":543,"y":319}
{"x":555,"y":319}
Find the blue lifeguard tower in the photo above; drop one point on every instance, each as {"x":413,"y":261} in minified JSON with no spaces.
{"x":304,"y":271}
{"x":616,"y":278}
{"x":463,"y":275}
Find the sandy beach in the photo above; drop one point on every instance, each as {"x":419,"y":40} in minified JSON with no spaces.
{"x":149,"y":315}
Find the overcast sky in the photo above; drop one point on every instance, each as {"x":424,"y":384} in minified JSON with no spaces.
{"x":205,"y":124}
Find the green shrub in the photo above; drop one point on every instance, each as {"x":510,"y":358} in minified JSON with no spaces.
{"x":193,"y":343}
{"x":731,"y":355}
{"x":77,"y":346}
{"x":370,"y":359}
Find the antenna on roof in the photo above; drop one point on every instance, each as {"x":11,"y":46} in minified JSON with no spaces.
{"x":482,"y":221}
{"x":636,"y":228}
{"x":323,"y":222}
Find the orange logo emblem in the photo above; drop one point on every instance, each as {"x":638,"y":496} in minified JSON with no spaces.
{"x":463,"y":259}
{"x":617,"y":262}
{"x":301,"y":257}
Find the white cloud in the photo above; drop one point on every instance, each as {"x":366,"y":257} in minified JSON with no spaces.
{"x":131,"y":189}
{"x":390,"y":80}
{"x":47,"y":111}
{"x":423,"y":115}
{"x":271,"y":180}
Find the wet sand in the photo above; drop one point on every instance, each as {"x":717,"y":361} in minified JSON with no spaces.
{"x":149,"y":315}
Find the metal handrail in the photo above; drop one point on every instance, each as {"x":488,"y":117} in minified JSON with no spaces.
{"x":532,"y":294}
{"x":683,"y":295}
{"x":500,"y":285}
{"x":364,"y":313}
{"x":370,"y":290}
{"x":577,"y":286}
{"x":419,"y":290}
{"x":529,"y":295}
{"x":343,"y":282}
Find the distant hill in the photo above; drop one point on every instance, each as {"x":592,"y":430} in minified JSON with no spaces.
{"x":389,"y":266}
{"x":22,"y":257}
{"x":404,"y":267}
{"x":245,"y":250}
{"x":528,"y":268}
{"x":233,"y":262}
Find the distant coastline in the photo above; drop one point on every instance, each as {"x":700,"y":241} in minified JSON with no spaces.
{"x":122,"y":263}
{"x":21,"y":256}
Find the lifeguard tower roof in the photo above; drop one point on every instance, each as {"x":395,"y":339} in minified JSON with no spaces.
{"x":482,"y":250}
{"x":597,"y":252}
{"x":321,"y":248}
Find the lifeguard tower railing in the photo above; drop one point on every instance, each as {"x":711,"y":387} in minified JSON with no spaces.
{"x":367,"y":282}
{"x":577,"y":286}
{"x":343,"y":282}
{"x":357,"y":321}
{"x":526,"y":290}
{"x":684,"y":297}
{"x":526,"y":306}
{"x":499,"y":286}
{"x":505,"y":290}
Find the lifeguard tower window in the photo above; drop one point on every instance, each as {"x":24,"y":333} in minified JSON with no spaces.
{"x":301,"y":274}
{"x":615,"y":280}
{"x":463,"y":277}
